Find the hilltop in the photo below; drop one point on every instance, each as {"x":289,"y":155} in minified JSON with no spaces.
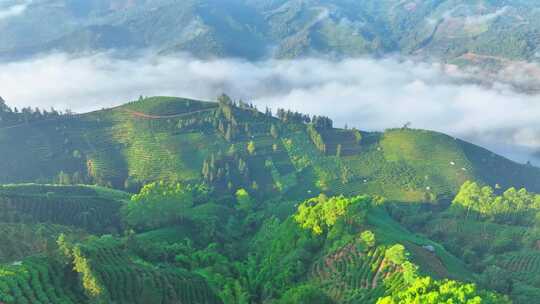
{"x":231,"y":145}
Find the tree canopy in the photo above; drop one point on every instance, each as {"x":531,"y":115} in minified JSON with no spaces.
{"x":429,"y":291}
{"x":512,"y":206}
{"x":321,"y":213}
{"x":158,"y":204}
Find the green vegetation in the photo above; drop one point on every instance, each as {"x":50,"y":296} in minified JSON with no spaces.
{"x":233,"y":205}
{"x":425,"y":290}
{"x":158,"y":204}
{"x":321,"y":213}
{"x":78,"y":206}
{"x":305,"y":295}
{"x":512,"y":207}
{"x":233,"y":145}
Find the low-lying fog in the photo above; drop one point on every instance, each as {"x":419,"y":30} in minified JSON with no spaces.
{"x":365,"y":93}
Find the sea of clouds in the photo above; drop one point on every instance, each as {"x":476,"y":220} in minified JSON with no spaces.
{"x":365,"y":93}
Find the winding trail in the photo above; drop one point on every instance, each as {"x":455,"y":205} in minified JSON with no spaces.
{"x":150,"y":116}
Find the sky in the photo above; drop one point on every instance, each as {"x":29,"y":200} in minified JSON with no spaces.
{"x":365,"y":93}
{"x":10,"y":8}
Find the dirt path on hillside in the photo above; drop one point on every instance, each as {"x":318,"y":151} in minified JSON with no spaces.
{"x":150,"y":116}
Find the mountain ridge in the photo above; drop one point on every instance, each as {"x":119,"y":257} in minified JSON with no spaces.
{"x":441,"y":30}
{"x":175,"y":138}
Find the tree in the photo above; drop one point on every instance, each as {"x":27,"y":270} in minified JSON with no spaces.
{"x":242,"y":166}
{"x":65,"y":247}
{"x":3,"y":106}
{"x":90,"y":281}
{"x":274,"y":131}
{"x":345,"y":175}
{"x":497,"y":279}
{"x":316,"y":138}
{"x":321,"y":213}
{"x":224,"y":99}
{"x":64,"y":178}
{"x":428,"y":291}
{"x":410,"y":272}
{"x":229,"y":133}
{"x":396,"y":254}
{"x":232,"y":150}
{"x":512,"y":207}
{"x":357,"y":136}
{"x":338,"y":150}
{"x":243,"y":200}
{"x":368,"y":238}
{"x":251,"y":147}
{"x":159,"y":204}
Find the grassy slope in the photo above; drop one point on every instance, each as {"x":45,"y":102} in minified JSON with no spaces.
{"x":413,"y":165}
{"x":93,"y":208}
{"x":141,"y":140}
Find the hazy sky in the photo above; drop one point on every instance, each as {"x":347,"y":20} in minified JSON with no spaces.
{"x":365,"y":93}
{"x":11,"y":8}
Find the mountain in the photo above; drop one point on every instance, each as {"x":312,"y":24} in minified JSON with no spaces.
{"x":218,"y":202}
{"x":456,"y":31}
{"x":187,"y":140}
{"x":166,"y":200}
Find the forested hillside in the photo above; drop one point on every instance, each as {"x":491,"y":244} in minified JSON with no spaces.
{"x":459,"y":31}
{"x":217,"y":202}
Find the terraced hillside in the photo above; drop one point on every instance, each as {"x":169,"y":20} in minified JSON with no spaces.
{"x":84,"y":207}
{"x":166,"y":138}
{"x":19,"y":240}
{"x":99,"y":271}
{"x":181,"y":243}
{"x":351,"y":275}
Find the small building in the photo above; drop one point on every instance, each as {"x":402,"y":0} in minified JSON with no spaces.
{"x":429,"y":248}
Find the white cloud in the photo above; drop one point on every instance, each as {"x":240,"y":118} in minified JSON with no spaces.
{"x":12,"y":10}
{"x":369,"y":94}
{"x":481,"y":19}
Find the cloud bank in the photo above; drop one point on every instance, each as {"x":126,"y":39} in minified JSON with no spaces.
{"x":365,"y":93}
{"x":13,"y":9}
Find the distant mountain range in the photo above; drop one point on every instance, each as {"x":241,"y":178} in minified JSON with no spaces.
{"x":455,"y":31}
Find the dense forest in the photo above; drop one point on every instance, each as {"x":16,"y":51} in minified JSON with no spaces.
{"x":170,"y":200}
{"x":11,"y":117}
